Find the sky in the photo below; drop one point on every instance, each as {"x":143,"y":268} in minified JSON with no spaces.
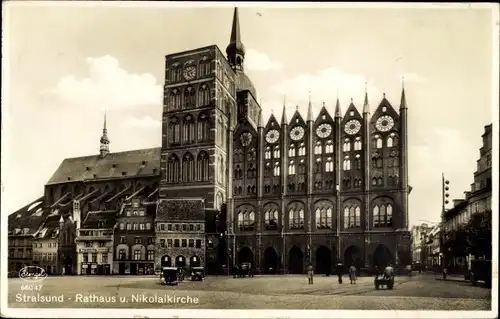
{"x":68,"y":63}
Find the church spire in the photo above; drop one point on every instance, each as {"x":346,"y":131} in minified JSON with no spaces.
{"x":366,"y":105}
{"x":310,"y":109}
{"x":403,"y":97}
{"x":235,"y":50}
{"x":104,"y":148}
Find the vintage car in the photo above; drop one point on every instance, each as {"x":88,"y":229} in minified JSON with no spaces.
{"x":197,"y":273}
{"x":242,"y":270}
{"x":168,"y":276}
{"x":383,"y":280}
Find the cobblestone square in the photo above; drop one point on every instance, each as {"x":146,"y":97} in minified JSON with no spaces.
{"x":261,"y":292}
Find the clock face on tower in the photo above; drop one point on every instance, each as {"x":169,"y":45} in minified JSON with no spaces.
{"x":384,"y":123}
{"x":297,"y":133}
{"x":324,"y":130}
{"x":246,"y":139}
{"x":272,"y":136}
{"x":352,"y":127}
{"x":189,"y":73}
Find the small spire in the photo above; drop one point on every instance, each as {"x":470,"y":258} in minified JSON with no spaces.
{"x":384,"y":95}
{"x":310,"y":109}
{"x":352,"y":101}
{"x":283,"y":115}
{"x":260,"y":120}
{"x":403,"y":105}
{"x":366,"y":106}
{"x":337,"y":108}
{"x":104,"y":148}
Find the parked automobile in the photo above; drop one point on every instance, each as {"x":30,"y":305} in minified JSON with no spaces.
{"x":197,"y":273}
{"x":168,"y":276}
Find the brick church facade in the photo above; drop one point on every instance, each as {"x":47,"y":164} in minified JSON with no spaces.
{"x":299,"y":190}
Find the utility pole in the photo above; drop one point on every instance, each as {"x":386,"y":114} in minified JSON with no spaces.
{"x":445,"y":195}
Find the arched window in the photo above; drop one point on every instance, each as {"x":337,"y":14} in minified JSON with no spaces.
{"x":296,"y":218}
{"x":347,"y":145}
{"x":352,"y":216}
{"x":267,"y":170}
{"x":302,"y":149}
{"x":329,"y":165}
{"x":347,"y":163}
{"x":317,"y":165}
{"x":271,"y":219}
{"x":202,"y":165}
{"x":376,"y":216}
{"x":204,"y":67}
{"x":357,"y":161}
{"x":173,"y":169}
{"x":204,"y":95}
{"x":276,"y":153}
{"x":187,"y":168}
{"x":246,"y":220}
{"x":176,"y":72}
{"x":329,"y":146}
{"x":377,"y":141}
{"x":392,"y":140}
{"x":174,"y":135}
{"x":291,"y":168}
{"x":188,"y":129}
{"x":318,"y":148}
{"x":189,"y":97}
{"x":203,"y":128}
{"x":276,"y":171}
{"x":357,"y":144}
{"x":267,"y":153}
{"x":302,"y":167}
{"x":324,"y":217}
{"x":251,"y":171}
{"x":291,"y":150}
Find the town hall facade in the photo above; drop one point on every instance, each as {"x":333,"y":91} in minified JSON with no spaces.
{"x":299,"y":190}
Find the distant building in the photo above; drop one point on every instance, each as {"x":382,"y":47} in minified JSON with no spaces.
{"x":418,"y":234}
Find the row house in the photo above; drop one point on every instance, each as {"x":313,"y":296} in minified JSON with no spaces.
{"x":134,"y":247}
{"x":94,"y":243}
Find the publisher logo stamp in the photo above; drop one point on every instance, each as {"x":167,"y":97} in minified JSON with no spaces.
{"x":32,"y":274}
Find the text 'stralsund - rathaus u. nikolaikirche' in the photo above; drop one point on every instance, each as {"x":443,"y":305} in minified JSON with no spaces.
{"x":226,"y":186}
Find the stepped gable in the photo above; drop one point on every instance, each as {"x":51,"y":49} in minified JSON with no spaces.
{"x":93,"y":219}
{"x":135,"y":163}
{"x":181,"y":209}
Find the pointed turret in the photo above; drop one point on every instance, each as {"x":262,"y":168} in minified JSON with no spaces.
{"x":366,"y":105}
{"x":284,"y":119}
{"x":310,"y":110}
{"x":104,"y":148}
{"x":403,"y":105}
{"x":337,"y":109}
{"x":235,"y":50}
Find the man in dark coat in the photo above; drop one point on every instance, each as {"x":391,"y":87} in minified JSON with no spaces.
{"x":340,"y":271}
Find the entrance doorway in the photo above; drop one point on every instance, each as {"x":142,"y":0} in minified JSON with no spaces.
{"x":296,"y":261}
{"x":270,"y":261}
{"x":323,"y":260}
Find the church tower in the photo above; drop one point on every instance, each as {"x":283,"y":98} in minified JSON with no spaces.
{"x":235,"y":50}
{"x":104,"y":147}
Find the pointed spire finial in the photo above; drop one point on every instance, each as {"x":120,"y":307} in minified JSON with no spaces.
{"x":235,"y":47}
{"x":337,"y":107}
{"x":284,"y":119}
{"x":260,"y":120}
{"x":366,"y":106}
{"x":104,"y":148}
{"x":324,"y":104}
{"x":384,"y":95}
{"x":310,"y":109}
{"x":403,"y":97}
{"x":352,"y":100}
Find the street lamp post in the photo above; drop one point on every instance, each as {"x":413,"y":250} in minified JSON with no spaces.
{"x":445,"y":201}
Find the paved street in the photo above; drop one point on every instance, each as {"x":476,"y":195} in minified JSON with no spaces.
{"x":421,"y":292}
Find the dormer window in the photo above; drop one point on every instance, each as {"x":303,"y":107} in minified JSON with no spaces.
{"x":69,"y":178}
{"x":384,"y":109}
{"x":18,"y":216}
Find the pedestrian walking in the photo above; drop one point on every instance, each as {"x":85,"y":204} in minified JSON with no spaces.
{"x":340,"y":271}
{"x":352,"y":274}
{"x":310,"y":274}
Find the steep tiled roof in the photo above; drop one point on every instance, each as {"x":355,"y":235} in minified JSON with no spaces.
{"x":181,"y":209}
{"x":29,"y":217}
{"x":92,"y":220}
{"x":144,"y":162}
